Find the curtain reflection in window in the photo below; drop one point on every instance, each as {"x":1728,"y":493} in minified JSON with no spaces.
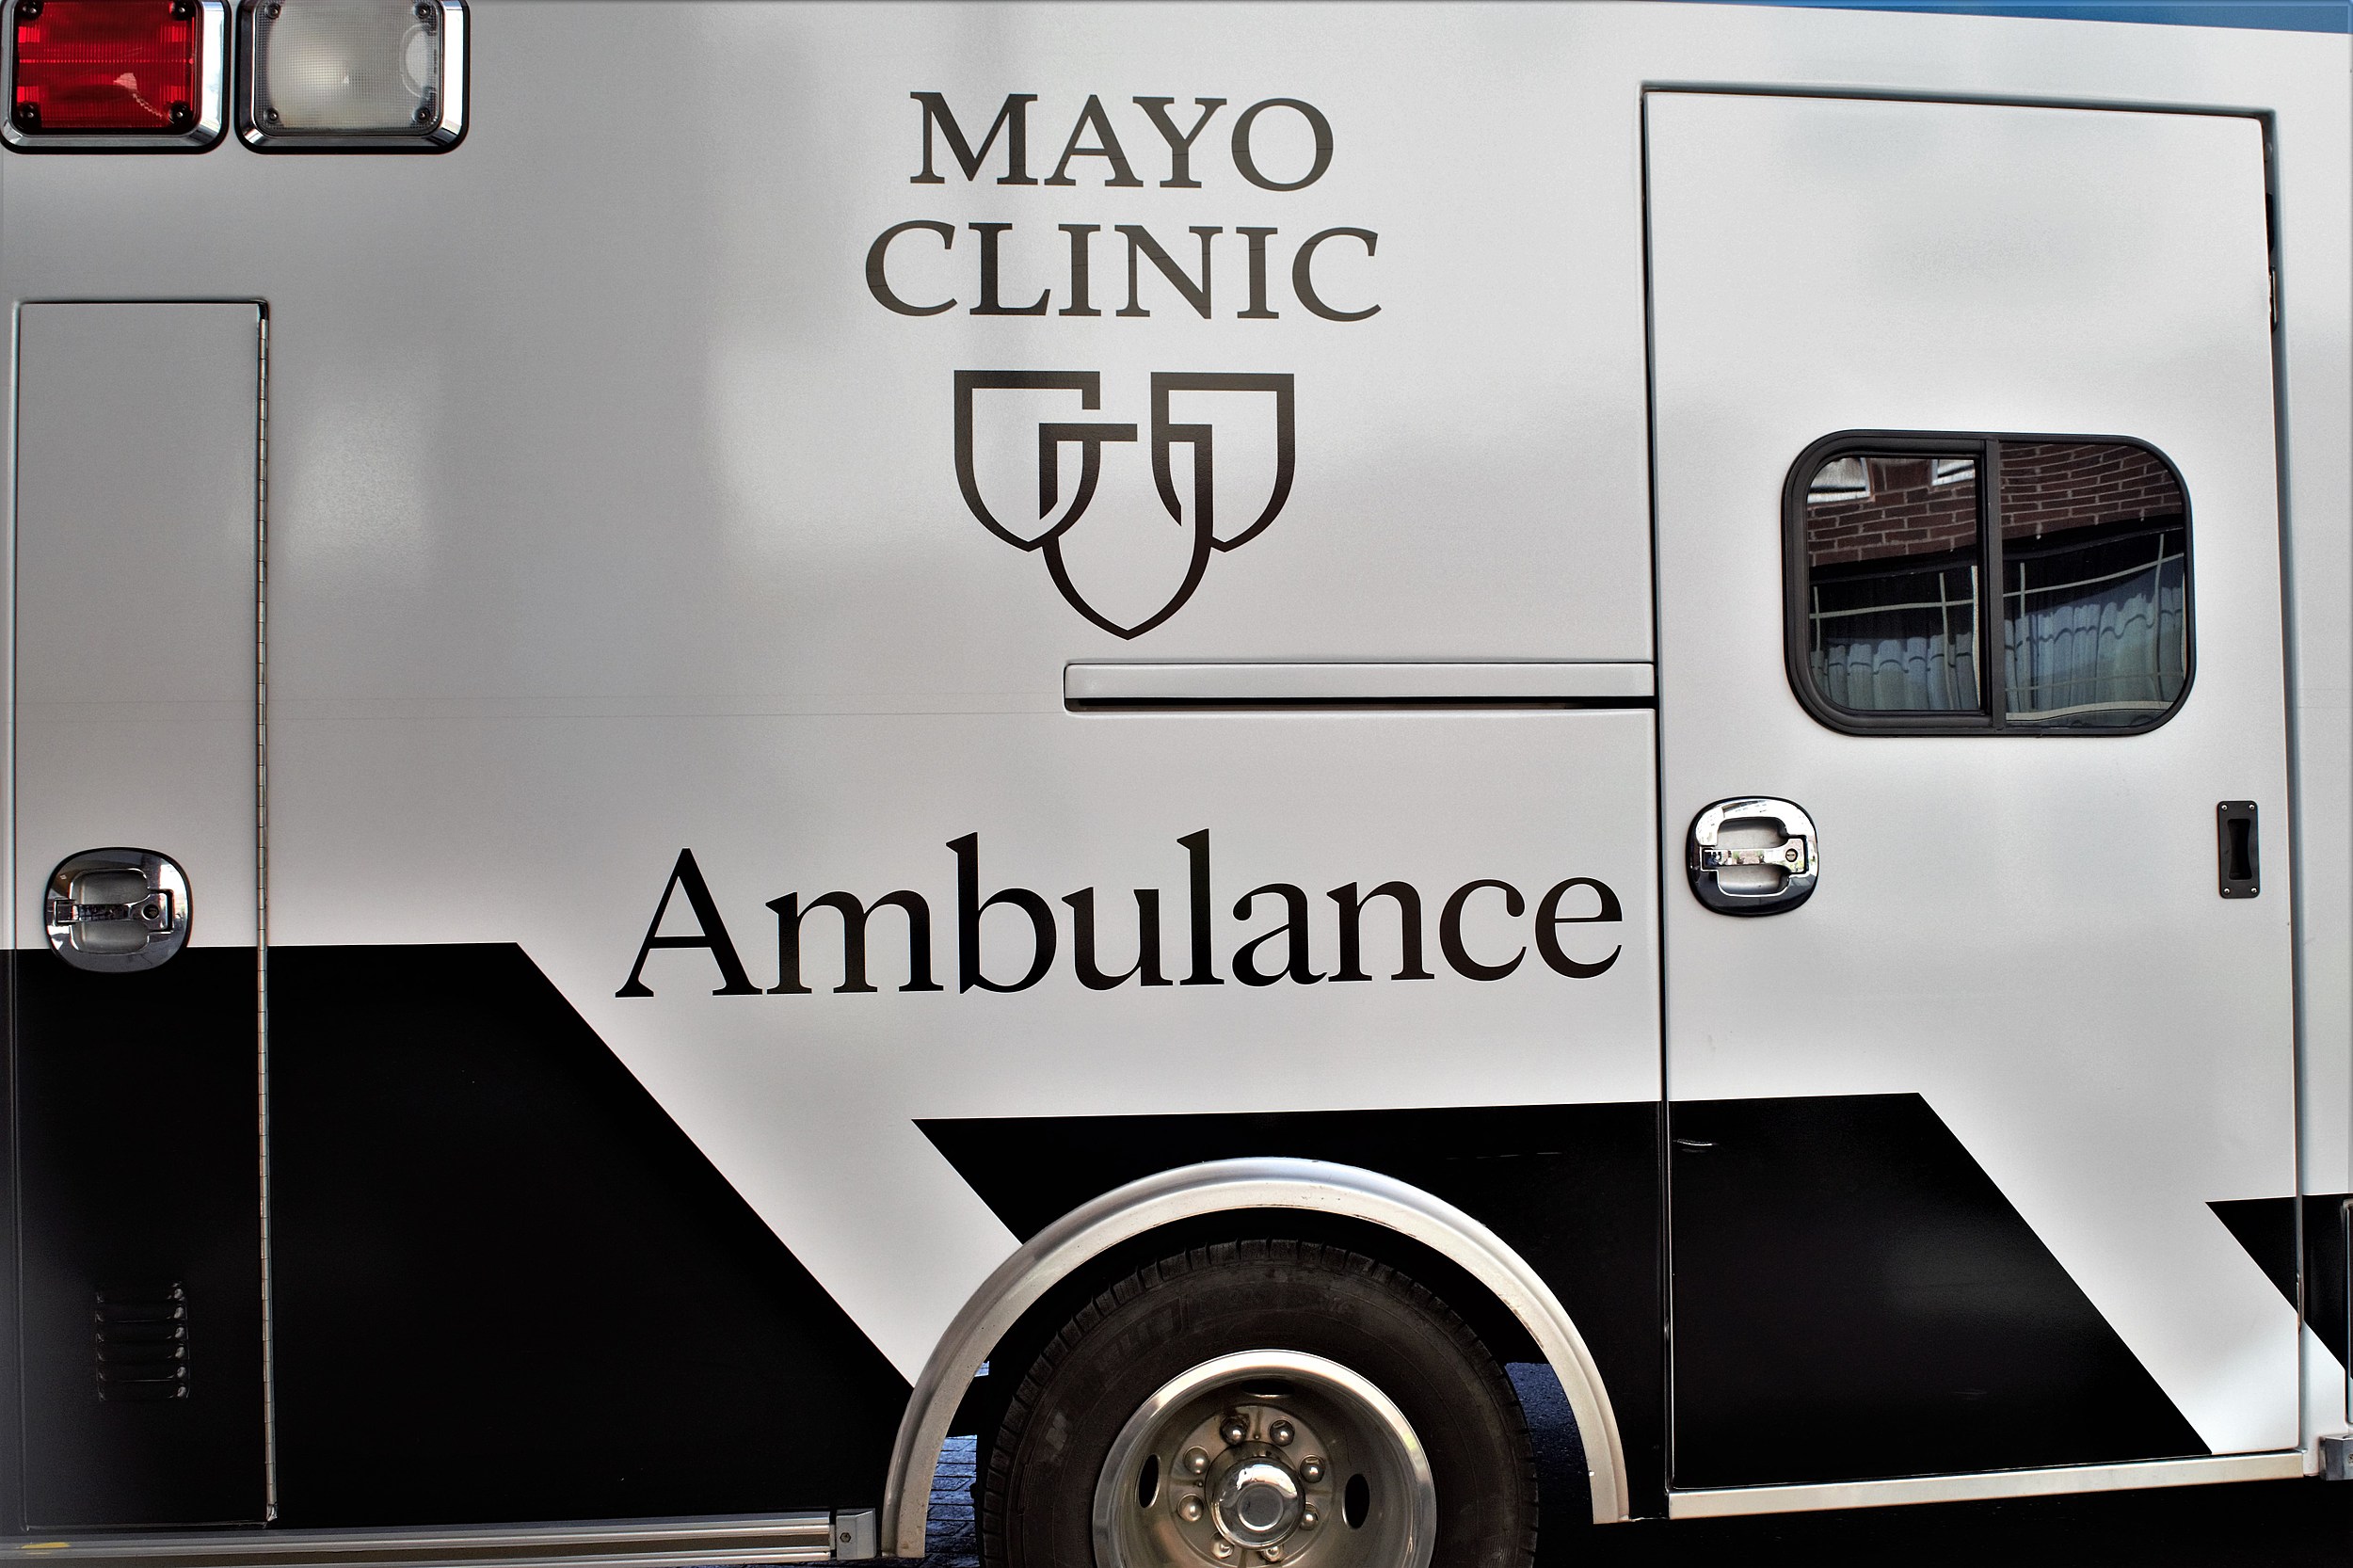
{"x":1893,"y":556}
{"x":2094,"y":584}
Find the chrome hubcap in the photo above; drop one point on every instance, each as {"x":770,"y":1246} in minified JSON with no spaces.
{"x":1268,"y":1457}
{"x":1258,"y":1502}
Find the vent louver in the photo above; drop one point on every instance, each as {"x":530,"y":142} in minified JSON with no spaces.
{"x":142,"y":1344}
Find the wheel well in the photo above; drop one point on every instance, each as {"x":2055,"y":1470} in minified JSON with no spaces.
{"x":1041,"y":1283}
{"x":984,"y":1402}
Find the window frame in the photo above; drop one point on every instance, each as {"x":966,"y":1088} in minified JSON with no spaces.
{"x":1991,"y":716}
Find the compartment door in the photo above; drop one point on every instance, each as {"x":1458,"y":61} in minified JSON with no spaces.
{"x":137,"y":1116}
{"x":1951,"y":1135}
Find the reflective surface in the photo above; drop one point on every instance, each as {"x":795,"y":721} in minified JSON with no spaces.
{"x":167,"y":96}
{"x":116,"y":909}
{"x":1752,"y":857}
{"x":2095,"y":591}
{"x":2091,"y":550}
{"x":1893,"y":553}
{"x":382,"y":75}
{"x":348,"y":65}
{"x":1266,"y":1457}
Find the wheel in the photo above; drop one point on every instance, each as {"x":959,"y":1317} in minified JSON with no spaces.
{"x":1261,"y":1403}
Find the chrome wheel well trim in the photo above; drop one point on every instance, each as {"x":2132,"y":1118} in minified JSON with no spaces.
{"x":1224,"y":1186}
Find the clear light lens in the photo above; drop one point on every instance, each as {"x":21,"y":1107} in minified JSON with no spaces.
{"x":348,"y":67}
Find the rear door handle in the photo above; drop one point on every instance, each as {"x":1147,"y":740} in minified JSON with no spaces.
{"x":1753,"y":854}
{"x":116,"y":910}
{"x":2238,"y":857}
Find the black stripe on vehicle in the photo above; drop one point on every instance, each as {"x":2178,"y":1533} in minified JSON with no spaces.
{"x":2267,"y":1229}
{"x":1854,"y":1298}
{"x":509,"y":1287}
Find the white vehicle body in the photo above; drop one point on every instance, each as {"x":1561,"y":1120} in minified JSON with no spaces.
{"x":640,"y":493}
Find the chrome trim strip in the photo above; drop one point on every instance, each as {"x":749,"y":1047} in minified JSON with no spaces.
{"x":260,"y":905}
{"x":1718,"y":1503}
{"x":806,"y":1537}
{"x":1218,"y":1187}
{"x":212,"y":99}
{"x":1530,"y":680}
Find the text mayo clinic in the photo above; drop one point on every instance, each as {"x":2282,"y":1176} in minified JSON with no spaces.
{"x":1066,"y":268}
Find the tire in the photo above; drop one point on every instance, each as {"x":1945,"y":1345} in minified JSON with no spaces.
{"x":1118,"y":1449}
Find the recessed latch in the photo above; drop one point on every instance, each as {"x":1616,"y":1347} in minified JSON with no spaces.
{"x":1752,"y":856}
{"x":115,"y":911}
{"x":2238,"y":864}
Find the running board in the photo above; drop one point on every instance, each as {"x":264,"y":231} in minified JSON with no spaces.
{"x":1722,"y":1502}
{"x":649,"y":1543}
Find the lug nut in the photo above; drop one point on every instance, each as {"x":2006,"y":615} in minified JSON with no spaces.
{"x":1190,"y":1511}
{"x":1221,"y":1548}
{"x":1280,"y":1435}
{"x":1234,"y":1430}
{"x":1273,"y":1554}
{"x":1308,"y":1517}
{"x":1196,"y":1463}
{"x":1311,"y":1469}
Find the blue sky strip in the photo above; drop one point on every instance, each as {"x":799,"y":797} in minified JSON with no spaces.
{"x":2299,"y":16}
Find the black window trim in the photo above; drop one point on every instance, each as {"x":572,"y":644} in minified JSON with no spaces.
{"x":1990,"y":717}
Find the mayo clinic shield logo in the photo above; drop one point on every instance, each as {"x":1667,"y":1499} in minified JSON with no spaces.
{"x":1134,"y":578}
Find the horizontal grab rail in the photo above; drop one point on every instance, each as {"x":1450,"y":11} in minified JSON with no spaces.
{"x":1422,"y":683}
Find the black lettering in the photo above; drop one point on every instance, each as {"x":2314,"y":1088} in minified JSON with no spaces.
{"x":1294,"y":928}
{"x":1249,"y":166}
{"x":1106,"y":147}
{"x":1078,"y":233}
{"x":970,"y":907}
{"x":1303,"y":283}
{"x":709,"y":932}
{"x":989,"y":305}
{"x":1197,"y":858}
{"x":1147,"y":940}
{"x":1450,"y":931}
{"x":1013,"y":119}
{"x":1257,"y":310}
{"x":878,"y":254}
{"x":1180,"y":145}
{"x":854,"y":917}
{"x":1197,"y":296}
{"x":1549,"y":919}
{"x":1408,"y":901}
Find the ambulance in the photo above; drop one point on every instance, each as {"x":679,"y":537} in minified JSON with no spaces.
{"x":1208,"y":744}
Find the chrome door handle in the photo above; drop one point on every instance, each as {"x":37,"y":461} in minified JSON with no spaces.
{"x":113,"y":910}
{"x":1753,"y":854}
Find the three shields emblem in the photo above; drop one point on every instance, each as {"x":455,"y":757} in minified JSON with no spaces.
{"x":1057,"y":516}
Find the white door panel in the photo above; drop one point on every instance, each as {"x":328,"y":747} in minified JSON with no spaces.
{"x":134,"y":651}
{"x":2024,"y":930}
{"x":135,"y":1128}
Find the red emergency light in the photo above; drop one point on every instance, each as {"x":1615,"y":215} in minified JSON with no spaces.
{"x":120,"y":74}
